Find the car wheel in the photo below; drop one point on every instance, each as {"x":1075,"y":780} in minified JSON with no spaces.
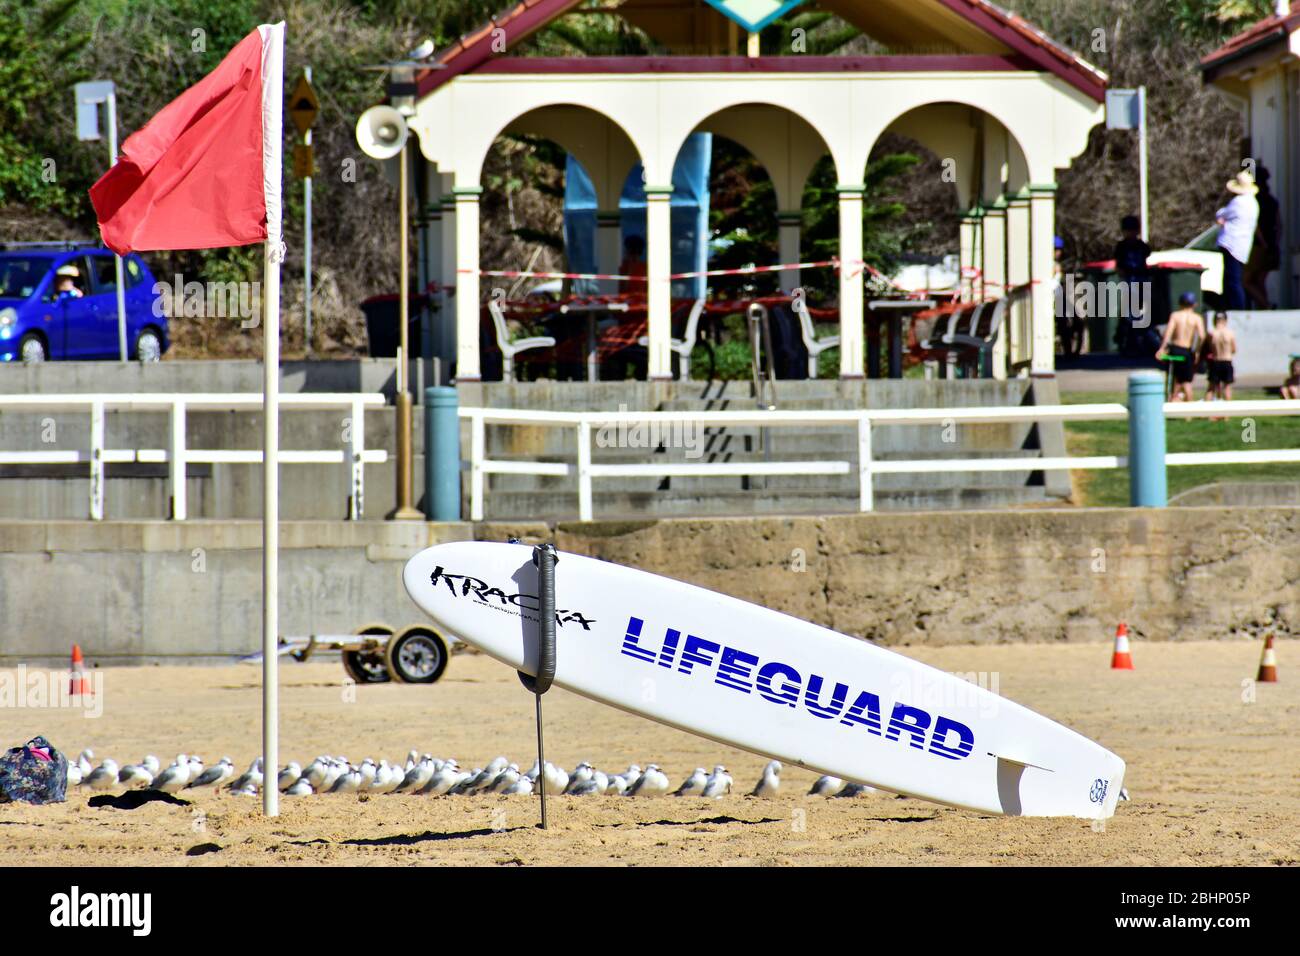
{"x":148,"y":347}
{"x":32,"y":348}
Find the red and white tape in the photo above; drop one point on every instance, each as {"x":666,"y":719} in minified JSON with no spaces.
{"x":745,"y":270}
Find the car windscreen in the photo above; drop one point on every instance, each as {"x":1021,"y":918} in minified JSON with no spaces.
{"x":20,"y":275}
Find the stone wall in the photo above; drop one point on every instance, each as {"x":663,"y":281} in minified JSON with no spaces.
{"x":131,"y":591}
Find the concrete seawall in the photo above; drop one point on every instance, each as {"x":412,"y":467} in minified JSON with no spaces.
{"x":150,"y":590}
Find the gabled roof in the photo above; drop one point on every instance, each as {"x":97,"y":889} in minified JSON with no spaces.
{"x":1269,"y":35}
{"x":933,"y":21}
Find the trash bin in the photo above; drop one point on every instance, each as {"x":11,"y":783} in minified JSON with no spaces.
{"x":1097,"y":300}
{"x":381,"y":312}
{"x":1169,"y":280}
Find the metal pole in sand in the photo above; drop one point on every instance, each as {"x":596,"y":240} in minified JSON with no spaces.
{"x":545,"y":559}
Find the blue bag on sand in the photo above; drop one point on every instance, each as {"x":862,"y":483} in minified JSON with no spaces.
{"x":33,"y":773}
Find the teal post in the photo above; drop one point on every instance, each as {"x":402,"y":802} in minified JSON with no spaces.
{"x":441,"y":454}
{"x":1147,"y":487}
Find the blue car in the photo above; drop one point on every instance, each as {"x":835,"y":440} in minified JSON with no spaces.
{"x":60,"y":302}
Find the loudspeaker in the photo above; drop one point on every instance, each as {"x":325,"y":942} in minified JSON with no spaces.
{"x":382,"y":132}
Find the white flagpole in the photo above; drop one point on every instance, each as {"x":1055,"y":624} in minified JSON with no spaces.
{"x":272,"y":106}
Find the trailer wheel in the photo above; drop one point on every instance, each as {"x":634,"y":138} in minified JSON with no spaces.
{"x":369,"y":666}
{"x":416,"y":655}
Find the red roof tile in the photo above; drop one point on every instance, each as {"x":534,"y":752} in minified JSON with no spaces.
{"x":1022,"y":37}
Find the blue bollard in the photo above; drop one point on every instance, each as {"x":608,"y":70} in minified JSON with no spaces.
{"x":441,"y":454}
{"x":1147,"y":486}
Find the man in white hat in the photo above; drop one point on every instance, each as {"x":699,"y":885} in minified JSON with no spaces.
{"x":65,"y":282}
{"x":1236,"y":233}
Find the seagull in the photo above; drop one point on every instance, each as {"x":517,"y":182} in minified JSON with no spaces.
{"x":855,"y":790}
{"x":135,"y":776}
{"x":368,"y":769}
{"x":524,"y":785}
{"x":214,"y":776}
{"x":196,"y":767}
{"x":651,"y":783}
{"x":287,"y":777}
{"x":174,"y":777}
{"x":584,"y":788}
{"x":617,"y":786}
{"x":251,"y":779}
{"x":719,"y":783}
{"x":627,"y":778}
{"x":335,"y":767}
{"x":417,"y":776}
{"x":555,"y":780}
{"x":581,"y":774}
{"x":507,"y":779}
{"x":316,"y":772}
{"x":412,"y":759}
{"x":826,"y":786}
{"x":74,"y":775}
{"x":300,"y":788}
{"x":423,"y":51}
{"x":348,"y":782}
{"x":84,"y":763}
{"x":770,"y":782}
{"x":442,"y":781}
{"x":103,"y":777}
{"x":693,"y":786}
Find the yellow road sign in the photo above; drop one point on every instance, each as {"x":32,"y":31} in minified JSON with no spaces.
{"x":303,"y":105}
{"x":304,"y":161}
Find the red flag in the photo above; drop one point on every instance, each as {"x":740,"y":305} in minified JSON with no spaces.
{"x":205,"y":171}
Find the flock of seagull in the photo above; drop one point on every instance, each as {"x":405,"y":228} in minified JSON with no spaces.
{"x":425,"y":774}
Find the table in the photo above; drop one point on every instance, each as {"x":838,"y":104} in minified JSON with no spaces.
{"x":592,"y":310}
{"x":891,"y":312}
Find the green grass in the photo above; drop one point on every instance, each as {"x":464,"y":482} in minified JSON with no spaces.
{"x":1110,"y":487}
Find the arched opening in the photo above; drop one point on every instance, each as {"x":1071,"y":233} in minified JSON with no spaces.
{"x":551,"y":184}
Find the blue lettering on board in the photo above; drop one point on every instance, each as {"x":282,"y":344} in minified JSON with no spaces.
{"x":779,"y":683}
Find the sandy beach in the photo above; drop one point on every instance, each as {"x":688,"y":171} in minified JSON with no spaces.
{"x":1214,"y":775}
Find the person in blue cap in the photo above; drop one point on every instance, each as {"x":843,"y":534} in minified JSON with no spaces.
{"x":1183,"y":334}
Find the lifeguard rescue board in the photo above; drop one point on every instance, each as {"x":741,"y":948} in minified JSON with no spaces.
{"x":766,"y":682}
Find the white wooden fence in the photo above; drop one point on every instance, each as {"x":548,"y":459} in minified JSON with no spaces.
{"x":863,"y":420}
{"x":352,"y":454}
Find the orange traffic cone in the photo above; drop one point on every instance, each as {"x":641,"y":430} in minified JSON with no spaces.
{"x":1121,"y":660}
{"x":1267,"y":664}
{"x":79,"y":683}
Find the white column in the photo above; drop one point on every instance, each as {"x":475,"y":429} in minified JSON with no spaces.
{"x":851,"y":345}
{"x":658,"y":226}
{"x":993,"y":243}
{"x":609,"y":251}
{"x":1042,"y":224}
{"x":467,"y":283}
{"x":1017,"y":242}
{"x":968,"y":248}
{"x":789,"y":232}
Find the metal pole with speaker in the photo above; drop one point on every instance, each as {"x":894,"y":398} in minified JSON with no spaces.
{"x":382,"y":133}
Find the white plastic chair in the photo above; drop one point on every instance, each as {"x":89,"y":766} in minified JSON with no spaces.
{"x":814,"y":345}
{"x":686,"y":344}
{"x":510,"y":349}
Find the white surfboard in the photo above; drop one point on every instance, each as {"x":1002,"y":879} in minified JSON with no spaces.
{"x":766,"y":682}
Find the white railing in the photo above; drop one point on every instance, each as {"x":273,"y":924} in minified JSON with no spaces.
{"x":480,"y":466}
{"x":353,"y":454}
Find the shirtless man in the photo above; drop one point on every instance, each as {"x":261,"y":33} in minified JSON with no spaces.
{"x":1221,"y":349}
{"x":1184,"y":331}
